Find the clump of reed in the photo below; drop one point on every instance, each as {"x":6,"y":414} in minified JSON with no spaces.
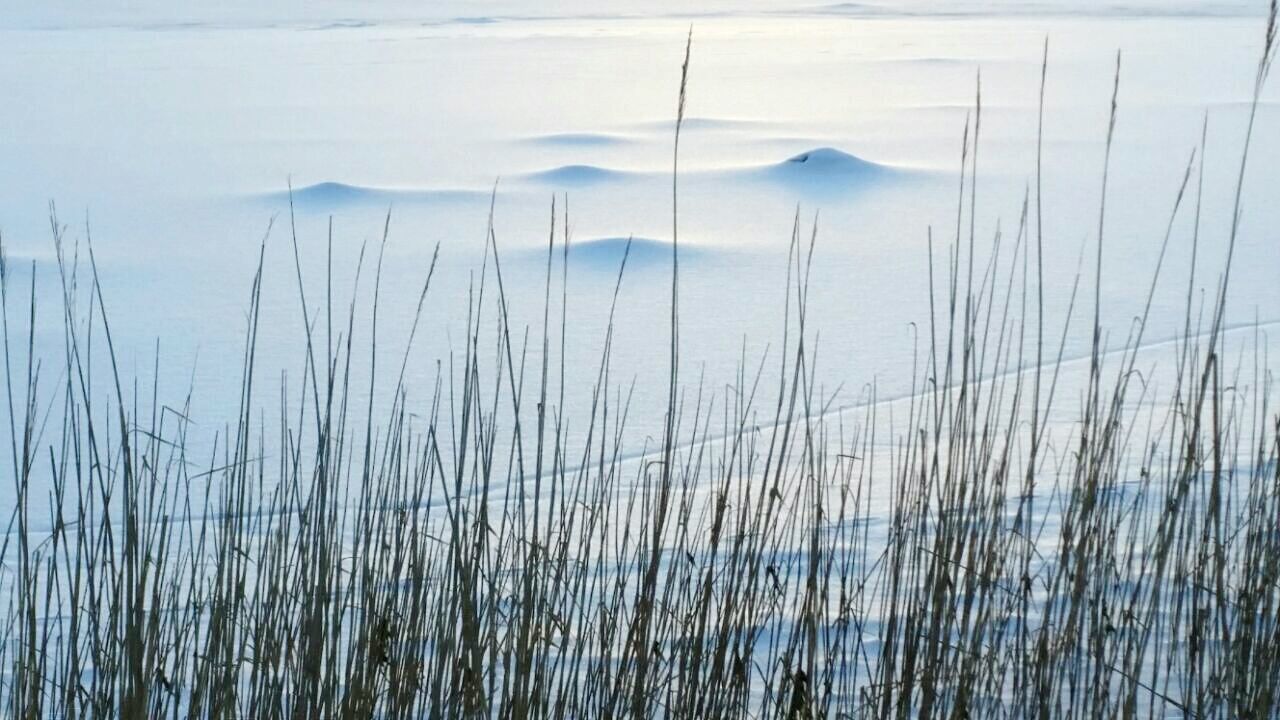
{"x":459,"y":556}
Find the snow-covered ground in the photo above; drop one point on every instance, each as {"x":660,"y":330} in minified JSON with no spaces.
{"x":177,"y":136}
{"x":173,"y":131}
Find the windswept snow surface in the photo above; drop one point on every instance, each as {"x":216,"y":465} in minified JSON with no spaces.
{"x":173,"y":131}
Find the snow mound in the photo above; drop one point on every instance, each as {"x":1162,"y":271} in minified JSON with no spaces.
{"x":580,"y":139}
{"x":577,"y":175}
{"x":606,"y":253}
{"x":828,"y":161}
{"x":337,"y":194}
{"x":824,"y":170}
{"x":334,"y":193}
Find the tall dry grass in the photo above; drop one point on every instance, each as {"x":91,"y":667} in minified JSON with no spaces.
{"x":450,"y":558}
